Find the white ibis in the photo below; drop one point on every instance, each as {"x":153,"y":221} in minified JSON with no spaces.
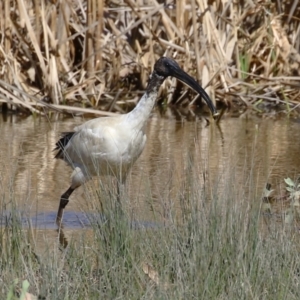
{"x":111,"y":145}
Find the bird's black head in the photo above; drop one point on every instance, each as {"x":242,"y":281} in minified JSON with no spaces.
{"x":166,"y":66}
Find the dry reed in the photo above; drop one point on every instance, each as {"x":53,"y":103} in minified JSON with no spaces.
{"x":91,"y":54}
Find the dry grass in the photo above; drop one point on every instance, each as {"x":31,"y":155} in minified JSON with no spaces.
{"x":96,"y":55}
{"x":216,"y":249}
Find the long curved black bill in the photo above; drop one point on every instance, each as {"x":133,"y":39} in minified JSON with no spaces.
{"x":191,"y":82}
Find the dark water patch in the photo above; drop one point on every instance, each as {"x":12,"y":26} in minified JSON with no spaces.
{"x":71,"y":220}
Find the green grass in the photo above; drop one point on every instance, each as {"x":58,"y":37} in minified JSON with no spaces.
{"x":215,"y":247}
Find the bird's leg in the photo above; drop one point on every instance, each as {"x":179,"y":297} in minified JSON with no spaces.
{"x":121,"y":197}
{"x":121,"y":190}
{"x":64,"y":199}
{"x":62,"y":238}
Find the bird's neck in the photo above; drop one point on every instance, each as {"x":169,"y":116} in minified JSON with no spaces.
{"x":141,"y":113}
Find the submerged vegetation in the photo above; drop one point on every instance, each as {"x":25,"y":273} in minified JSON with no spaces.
{"x":94,"y":56}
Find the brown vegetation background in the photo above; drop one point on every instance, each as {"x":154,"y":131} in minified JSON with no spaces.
{"x":76,"y":55}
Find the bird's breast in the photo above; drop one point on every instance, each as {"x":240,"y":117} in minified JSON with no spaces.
{"x":107,"y":150}
{"x":130,"y":146}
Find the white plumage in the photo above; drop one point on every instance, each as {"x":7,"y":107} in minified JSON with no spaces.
{"x":111,"y":145}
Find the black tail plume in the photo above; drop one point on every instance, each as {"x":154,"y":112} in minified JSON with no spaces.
{"x":62,"y":143}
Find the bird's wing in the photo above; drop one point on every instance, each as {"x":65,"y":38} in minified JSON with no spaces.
{"x":99,"y":137}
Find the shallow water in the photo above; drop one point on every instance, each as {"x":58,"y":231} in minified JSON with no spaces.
{"x":176,"y":149}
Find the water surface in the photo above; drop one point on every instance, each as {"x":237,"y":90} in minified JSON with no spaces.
{"x":176,"y":149}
